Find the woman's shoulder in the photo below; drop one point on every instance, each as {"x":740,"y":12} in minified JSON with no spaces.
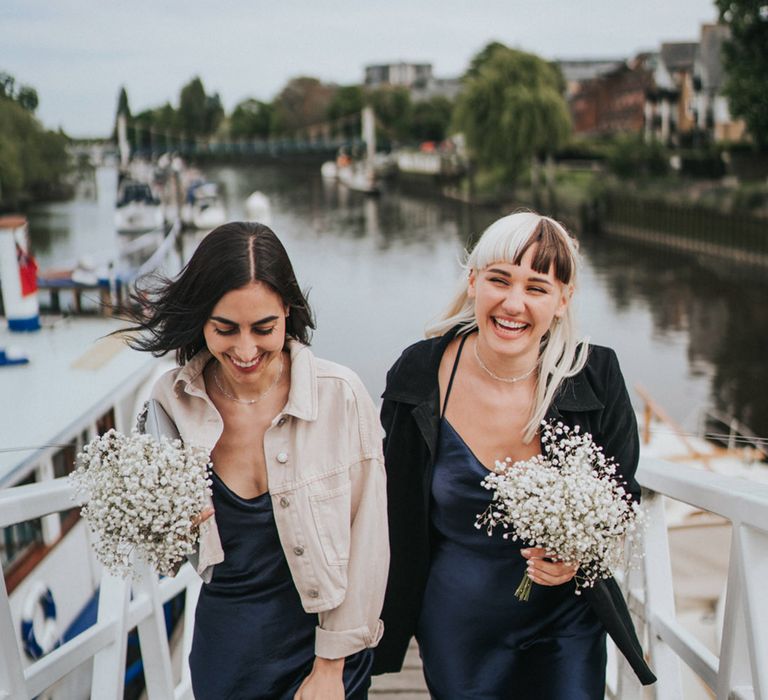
{"x":601,"y":369}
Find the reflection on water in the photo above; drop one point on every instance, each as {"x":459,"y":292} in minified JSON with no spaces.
{"x":692,"y":332}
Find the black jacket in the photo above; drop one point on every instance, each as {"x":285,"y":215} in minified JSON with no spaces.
{"x":596,"y":399}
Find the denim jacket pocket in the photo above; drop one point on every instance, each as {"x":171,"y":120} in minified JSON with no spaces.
{"x":331,"y":512}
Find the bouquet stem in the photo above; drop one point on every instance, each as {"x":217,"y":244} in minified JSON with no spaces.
{"x":523,"y":591}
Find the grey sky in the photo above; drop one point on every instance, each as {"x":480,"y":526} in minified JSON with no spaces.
{"x":77,"y":53}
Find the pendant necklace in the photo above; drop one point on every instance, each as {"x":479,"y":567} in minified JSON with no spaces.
{"x":248,"y":402}
{"x":508,"y":380}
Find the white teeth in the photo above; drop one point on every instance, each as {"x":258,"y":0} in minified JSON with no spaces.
{"x":510,"y":325}
{"x":244,"y":365}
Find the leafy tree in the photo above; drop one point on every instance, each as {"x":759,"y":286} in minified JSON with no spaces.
{"x":33,"y":161}
{"x":430,"y":119}
{"x":27,"y":98}
{"x":511,"y":109}
{"x":192,"y":108}
{"x":304,"y":101}
{"x":346,"y":101}
{"x":392,"y":105}
{"x":746,"y":63}
{"x":199,"y":114}
{"x":251,"y":119}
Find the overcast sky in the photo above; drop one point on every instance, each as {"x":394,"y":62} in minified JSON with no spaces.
{"x":77,"y":53}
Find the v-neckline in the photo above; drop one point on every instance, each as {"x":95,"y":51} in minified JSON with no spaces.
{"x":467,"y":447}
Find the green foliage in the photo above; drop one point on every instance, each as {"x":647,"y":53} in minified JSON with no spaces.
{"x":251,"y":119}
{"x":304,"y":101}
{"x":746,"y":63}
{"x":33,"y":161}
{"x":430,"y":119}
{"x":511,"y":108}
{"x":346,"y":100}
{"x":199,"y":114}
{"x":392,"y":105}
{"x":630,"y":156}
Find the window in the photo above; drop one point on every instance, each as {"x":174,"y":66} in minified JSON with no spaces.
{"x":20,"y":539}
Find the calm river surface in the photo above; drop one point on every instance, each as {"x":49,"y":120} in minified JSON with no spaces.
{"x":693,"y":332}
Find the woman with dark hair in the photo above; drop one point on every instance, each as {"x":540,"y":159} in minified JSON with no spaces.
{"x":294,"y":550}
{"x":502,"y":358}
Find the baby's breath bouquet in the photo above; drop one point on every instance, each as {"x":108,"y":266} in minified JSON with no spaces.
{"x":567,"y":500}
{"x":141,"y":496}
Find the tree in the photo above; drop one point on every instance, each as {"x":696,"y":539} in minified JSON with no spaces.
{"x":745,"y":59}
{"x":346,"y":101}
{"x":251,"y":119}
{"x":511,"y":109}
{"x":27,"y":98}
{"x":304,"y":101}
{"x":430,"y":119}
{"x":392,"y":105}
{"x":199,"y":114}
{"x":192,"y":108}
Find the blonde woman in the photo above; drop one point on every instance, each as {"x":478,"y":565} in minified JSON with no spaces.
{"x":502,"y":358}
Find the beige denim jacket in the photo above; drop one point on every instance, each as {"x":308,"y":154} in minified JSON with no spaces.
{"x":327,"y":482}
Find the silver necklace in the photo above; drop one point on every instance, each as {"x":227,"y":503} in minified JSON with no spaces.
{"x":248,"y":402}
{"x":508,"y":380}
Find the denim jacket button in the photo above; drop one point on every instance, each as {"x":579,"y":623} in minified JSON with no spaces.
{"x":313,"y":593}
{"x":298,"y":550}
{"x":284,"y":502}
{"x":282,"y":457}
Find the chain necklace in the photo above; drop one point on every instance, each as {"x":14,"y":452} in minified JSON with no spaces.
{"x":508,"y":380}
{"x":247,"y":402}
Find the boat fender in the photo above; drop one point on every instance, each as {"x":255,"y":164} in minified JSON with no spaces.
{"x":39,"y":639}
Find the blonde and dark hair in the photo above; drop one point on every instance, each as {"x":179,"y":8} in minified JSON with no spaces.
{"x":561,"y":354}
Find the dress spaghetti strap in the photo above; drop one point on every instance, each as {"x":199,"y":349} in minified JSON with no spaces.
{"x":453,"y":374}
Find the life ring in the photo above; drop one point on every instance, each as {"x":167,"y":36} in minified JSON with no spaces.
{"x":39,"y":639}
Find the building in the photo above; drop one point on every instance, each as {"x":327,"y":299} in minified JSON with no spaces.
{"x":710,"y":105}
{"x":417,"y":77}
{"x":613,"y":101}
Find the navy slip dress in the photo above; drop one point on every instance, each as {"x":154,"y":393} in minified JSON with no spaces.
{"x":477,"y":641}
{"x":252,"y":638}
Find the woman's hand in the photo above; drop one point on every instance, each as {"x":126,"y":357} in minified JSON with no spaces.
{"x":545,"y":570}
{"x":200,"y":519}
{"x":325,"y":682}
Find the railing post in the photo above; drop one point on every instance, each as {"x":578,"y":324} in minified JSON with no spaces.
{"x":12,"y":684}
{"x":109,"y":663}
{"x":754,"y":560}
{"x":659,"y":598}
{"x":190,"y":605}
{"x":153,"y":638}
{"x":740,"y":665}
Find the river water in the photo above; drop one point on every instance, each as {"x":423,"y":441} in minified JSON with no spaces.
{"x":692,"y":331}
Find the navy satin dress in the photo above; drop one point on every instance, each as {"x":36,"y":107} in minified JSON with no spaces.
{"x":252,"y":639}
{"x":477,"y":641}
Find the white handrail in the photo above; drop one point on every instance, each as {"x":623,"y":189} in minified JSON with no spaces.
{"x":739,"y":671}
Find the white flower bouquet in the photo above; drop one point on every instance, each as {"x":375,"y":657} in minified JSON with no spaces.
{"x":567,"y":500}
{"x":141,"y":497}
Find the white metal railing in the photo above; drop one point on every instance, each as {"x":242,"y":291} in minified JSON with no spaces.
{"x":739,"y":672}
{"x":123,"y":606}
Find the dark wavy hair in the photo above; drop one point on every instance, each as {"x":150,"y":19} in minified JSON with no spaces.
{"x":169,"y":314}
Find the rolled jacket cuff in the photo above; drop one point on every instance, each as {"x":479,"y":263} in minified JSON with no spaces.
{"x":338,"y":645}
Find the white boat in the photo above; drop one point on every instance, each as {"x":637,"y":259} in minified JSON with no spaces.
{"x":258,"y":208}
{"x":137,"y":209}
{"x":77,"y":384}
{"x":203,"y":208}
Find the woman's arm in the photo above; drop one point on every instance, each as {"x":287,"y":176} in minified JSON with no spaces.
{"x":618,"y":430}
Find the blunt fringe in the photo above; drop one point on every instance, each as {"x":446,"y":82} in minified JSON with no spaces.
{"x":169,"y":314}
{"x":561,"y":353}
